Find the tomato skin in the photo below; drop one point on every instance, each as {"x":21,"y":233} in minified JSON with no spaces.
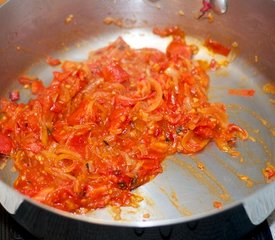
{"x":95,"y":69}
{"x":117,"y":119}
{"x":34,"y":147}
{"x":25,"y":80}
{"x":56,"y":107}
{"x":205,"y":129}
{"x":178,"y":46}
{"x":178,"y":49}
{"x":53,"y":61}
{"x":269,"y":173}
{"x":242,"y":92}
{"x":79,"y":114}
{"x":115,"y":73}
{"x":5,"y":144}
{"x":217,"y":47}
{"x":58,"y":131}
{"x":78,"y":143}
{"x":169,"y":31}
{"x":37,"y":86}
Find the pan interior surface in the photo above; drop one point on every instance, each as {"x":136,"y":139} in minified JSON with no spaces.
{"x":184,"y":190}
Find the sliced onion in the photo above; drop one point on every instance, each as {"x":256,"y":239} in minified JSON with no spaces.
{"x":43,"y":194}
{"x":174,"y":74}
{"x":154,"y":103}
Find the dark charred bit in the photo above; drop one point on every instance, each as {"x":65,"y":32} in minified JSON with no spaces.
{"x":132,"y":124}
{"x":122,"y":185}
{"x":117,"y":172}
{"x":134,"y":182}
{"x":179,"y":129}
{"x":106,"y":143}
{"x":168,"y":137}
{"x":49,"y":131}
{"x":88,"y":167}
{"x":4,"y":157}
{"x":232,"y":142}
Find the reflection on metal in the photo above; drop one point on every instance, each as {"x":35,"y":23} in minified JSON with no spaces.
{"x":9,"y":198}
{"x":261,"y":205}
{"x":219,"y":6}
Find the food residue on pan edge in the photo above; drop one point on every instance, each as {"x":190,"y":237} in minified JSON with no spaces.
{"x":204,"y":12}
{"x":269,"y":172}
{"x":217,"y":204}
{"x":181,"y":12}
{"x":120,"y":22}
{"x":111,"y":20}
{"x":257,"y":137}
{"x":69,"y":19}
{"x":204,"y":178}
{"x":269,"y":88}
{"x":172,"y":196}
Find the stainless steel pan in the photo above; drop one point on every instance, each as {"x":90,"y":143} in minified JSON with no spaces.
{"x":30,"y":30}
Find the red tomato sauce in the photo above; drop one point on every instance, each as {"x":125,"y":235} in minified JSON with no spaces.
{"x":269,"y":172}
{"x":216,"y":47}
{"x":242,"y":92}
{"x":104,"y":126}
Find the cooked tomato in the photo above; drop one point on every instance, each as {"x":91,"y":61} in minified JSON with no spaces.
{"x":217,"y":47}
{"x":104,"y":126}
{"x":178,"y":49}
{"x":113,"y":72}
{"x":5,"y":144}
{"x":52,"y":61}
{"x":242,"y":92}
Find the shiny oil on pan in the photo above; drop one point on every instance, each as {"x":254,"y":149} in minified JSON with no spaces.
{"x":190,"y":187}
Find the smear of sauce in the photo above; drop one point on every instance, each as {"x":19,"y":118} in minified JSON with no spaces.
{"x":258,"y":138}
{"x":3,"y":162}
{"x":111,"y":20}
{"x":242,"y":92}
{"x":252,"y":138}
{"x":116,"y":211}
{"x":222,"y":73}
{"x":173,"y":198}
{"x":264,"y":122}
{"x":246,"y":179}
{"x":205,"y":178}
{"x":120,"y":22}
{"x":217,"y":204}
{"x":242,"y":159}
{"x":255,"y":138}
{"x":200,"y":165}
{"x":249,"y":182}
{"x":149,"y":201}
{"x":269,"y":88}
{"x":146,"y":215}
{"x":269,"y":172}
{"x":225,"y":195}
